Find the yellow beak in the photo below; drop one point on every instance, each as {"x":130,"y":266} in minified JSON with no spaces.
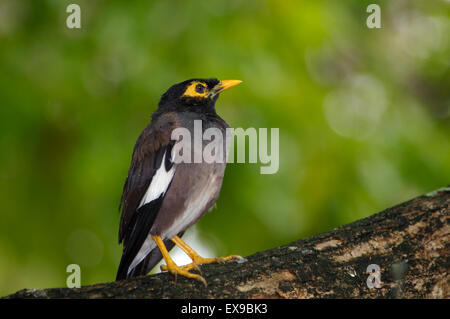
{"x":224,"y":85}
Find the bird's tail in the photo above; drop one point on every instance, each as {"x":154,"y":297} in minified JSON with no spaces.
{"x":147,"y":264}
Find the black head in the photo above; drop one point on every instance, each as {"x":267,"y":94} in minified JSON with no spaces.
{"x":194,"y":95}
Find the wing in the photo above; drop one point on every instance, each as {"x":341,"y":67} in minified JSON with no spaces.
{"x":147,"y":156}
{"x":150,"y":174}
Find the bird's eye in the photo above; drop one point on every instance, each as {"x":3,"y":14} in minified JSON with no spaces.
{"x":200,"y":88}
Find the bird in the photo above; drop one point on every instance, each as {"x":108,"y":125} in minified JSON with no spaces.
{"x":162,"y":196}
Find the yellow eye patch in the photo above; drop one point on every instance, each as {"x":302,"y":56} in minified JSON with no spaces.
{"x":196,"y":89}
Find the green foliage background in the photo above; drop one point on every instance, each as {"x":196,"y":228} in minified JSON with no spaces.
{"x":363,"y":117}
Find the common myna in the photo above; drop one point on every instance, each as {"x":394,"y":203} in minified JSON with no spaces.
{"x":162,"y":197}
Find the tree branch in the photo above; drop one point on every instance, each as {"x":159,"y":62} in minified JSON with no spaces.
{"x":409,"y":242}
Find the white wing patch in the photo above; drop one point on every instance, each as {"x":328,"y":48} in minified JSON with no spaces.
{"x":160,"y":182}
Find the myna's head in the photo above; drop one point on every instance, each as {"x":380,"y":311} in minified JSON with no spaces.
{"x":196,"y":95}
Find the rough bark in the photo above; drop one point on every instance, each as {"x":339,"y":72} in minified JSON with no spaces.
{"x":409,"y":242}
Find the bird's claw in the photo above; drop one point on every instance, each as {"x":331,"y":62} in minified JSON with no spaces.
{"x":231,"y":257}
{"x":188,"y":267}
{"x":197,"y":261}
{"x":183,"y":271}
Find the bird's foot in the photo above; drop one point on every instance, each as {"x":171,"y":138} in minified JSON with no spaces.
{"x":182,"y":271}
{"x":187,"y":267}
{"x":198,"y":260}
{"x":171,"y":266}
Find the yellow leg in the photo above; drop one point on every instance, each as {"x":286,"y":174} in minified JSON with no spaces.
{"x":171,"y":266}
{"x":196,"y":258}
